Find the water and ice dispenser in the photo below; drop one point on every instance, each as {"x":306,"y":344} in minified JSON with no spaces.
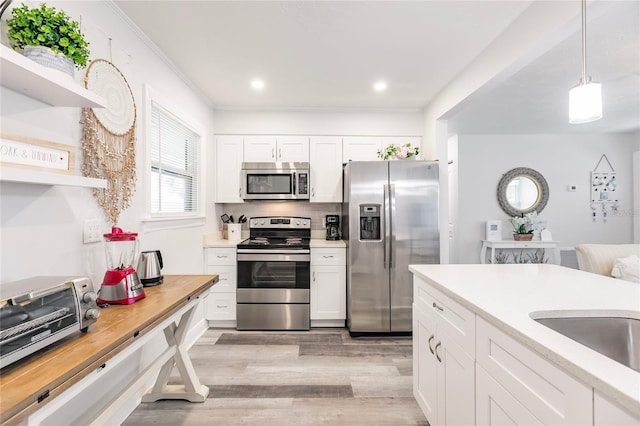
{"x":370,"y":222}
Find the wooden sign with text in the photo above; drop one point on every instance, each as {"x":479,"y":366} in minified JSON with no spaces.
{"x":36,"y":154}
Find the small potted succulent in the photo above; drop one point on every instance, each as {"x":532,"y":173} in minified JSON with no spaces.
{"x":398,"y":152}
{"x":48,"y":36}
{"x":523,"y":226}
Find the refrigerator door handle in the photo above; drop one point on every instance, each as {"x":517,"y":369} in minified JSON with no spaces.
{"x":391,"y":233}
{"x":387,"y":228}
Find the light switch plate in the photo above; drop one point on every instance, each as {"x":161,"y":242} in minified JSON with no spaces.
{"x":91,"y":231}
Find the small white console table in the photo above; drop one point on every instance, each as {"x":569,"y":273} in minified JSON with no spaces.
{"x":514,"y":245}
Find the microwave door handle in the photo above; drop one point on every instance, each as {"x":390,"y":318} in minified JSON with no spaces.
{"x":294,"y":183}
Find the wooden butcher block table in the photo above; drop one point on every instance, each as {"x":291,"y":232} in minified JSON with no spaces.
{"x":29,"y":384}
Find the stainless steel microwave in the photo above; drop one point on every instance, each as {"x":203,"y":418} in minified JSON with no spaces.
{"x":275,"y":181}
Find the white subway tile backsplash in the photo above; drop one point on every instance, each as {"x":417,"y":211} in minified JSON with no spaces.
{"x":315,"y":211}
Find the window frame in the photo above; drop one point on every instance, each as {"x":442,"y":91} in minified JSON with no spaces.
{"x":153,"y":98}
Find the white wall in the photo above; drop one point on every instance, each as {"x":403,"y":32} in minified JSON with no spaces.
{"x":319,"y":122}
{"x":562,"y":160}
{"x":42,"y":226}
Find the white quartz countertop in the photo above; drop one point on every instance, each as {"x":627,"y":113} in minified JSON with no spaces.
{"x":217,"y":242}
{"x":505,"y":295}
{"x":319,"y":243}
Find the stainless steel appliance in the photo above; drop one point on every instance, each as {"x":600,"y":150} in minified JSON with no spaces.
{"x":274,"y":275}
{"x":149,"y":268}
{"x":275,"y":181}
{"x":39,"y":311}
{"x":390,"y":220}
{"x":333,"y":227}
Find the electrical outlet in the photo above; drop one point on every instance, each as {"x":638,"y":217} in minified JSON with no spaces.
{"x":91,"y":231}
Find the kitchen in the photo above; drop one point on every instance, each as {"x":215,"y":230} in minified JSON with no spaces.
{"x":55,"y":215}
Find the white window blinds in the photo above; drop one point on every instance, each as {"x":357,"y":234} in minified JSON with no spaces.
{"x":175,"y":165}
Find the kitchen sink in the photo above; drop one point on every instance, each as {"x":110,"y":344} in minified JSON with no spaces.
{"x":616,"y":337}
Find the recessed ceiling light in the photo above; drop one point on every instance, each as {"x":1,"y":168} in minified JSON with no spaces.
{"x":380,"y":86}
{"x":257,"y":84}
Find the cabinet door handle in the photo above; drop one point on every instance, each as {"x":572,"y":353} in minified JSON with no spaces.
{"x":221,"y":257}
{"x":314,"y":277}
{"x":438,"y":307}
{"x":280,"y":153}
{"x":437,"y":355}
{"x":313,"y":192}
{"x":431,"y":340}
{"x":224,"y":279}
{"x":328,"y":256}
{"x":240,"y":192}
{"x":273,"y":153}
{"x":222,"y":306}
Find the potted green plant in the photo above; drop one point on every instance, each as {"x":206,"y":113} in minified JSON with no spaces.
{"x":33,"y":29}
{"x":523,"y":226}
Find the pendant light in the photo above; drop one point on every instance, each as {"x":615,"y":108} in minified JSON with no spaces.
{"x":585,"y":100}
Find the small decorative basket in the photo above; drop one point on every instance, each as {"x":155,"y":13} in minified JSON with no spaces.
{"x":523,"y":237}
{"x":48,"y":58}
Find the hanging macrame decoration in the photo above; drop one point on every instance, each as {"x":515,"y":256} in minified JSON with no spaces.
{"x":108,"y":138}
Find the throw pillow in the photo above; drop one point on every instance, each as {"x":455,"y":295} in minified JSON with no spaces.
{"x":627,"y":268}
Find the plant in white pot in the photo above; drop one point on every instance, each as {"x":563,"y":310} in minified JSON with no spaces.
{"x":33,"y":29}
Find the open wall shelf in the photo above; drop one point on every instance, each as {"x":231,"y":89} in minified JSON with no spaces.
{"x":10,"y":174}
{"x":53,"y":87}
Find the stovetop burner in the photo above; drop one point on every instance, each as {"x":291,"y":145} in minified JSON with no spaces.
{"x":278,"y":232}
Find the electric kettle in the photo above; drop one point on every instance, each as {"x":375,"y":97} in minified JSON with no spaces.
{"x":149,"y":268}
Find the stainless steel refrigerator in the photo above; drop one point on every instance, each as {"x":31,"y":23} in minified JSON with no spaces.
{"x":390,"y":220}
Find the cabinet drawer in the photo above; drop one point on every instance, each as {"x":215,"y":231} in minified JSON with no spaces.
{"x":221,"y":256}
{"x":456,"y":321}
{"x":221,"y":306}
{"x":226,"y":278}
{"x":552,"y":395}
{"x":330,"y":256}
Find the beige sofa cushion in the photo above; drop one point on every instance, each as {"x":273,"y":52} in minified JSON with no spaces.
{"x":599,"y":258}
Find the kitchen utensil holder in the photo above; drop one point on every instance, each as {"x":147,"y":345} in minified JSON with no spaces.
{"x":234,"y":231}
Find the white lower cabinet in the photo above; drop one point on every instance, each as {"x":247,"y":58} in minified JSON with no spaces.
{"x":550,"y":396}
{"x":606,"y":413}
{"x":328,"y":295}
{"x":220,"y":304}
{"x":443,"y":363}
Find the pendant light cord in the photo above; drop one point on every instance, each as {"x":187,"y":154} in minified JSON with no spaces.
{"x":584,"y":42}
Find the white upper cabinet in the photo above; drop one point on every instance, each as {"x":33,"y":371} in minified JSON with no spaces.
{"x":325,"y":159}
{"x":276,"y":148}
{"x":229,"y":158}
{"x":360,"y":148}
{"x":259,"y":149}
{"x":292,"y":149}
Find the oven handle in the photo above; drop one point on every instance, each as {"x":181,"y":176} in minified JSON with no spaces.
{"x":273,"y":251}
{"x":263,"y":257}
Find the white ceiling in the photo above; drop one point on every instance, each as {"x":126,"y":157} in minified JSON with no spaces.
{"x":328,"y":54}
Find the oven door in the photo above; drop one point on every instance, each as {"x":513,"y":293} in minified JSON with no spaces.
{"x":267,"y":277}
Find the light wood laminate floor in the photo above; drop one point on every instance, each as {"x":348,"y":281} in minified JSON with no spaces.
{"x":321,"y":377}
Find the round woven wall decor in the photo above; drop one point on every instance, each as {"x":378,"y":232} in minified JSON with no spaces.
{"x":108,"y":138}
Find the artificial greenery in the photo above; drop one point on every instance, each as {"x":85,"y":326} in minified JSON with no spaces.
{"x":398,"y":151}
{"x":48,"y":27}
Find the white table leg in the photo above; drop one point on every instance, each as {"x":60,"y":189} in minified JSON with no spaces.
{"x":191,"y":389}
{"x":483,"y":254}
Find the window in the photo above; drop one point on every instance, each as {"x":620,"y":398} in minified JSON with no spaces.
{"x":175,"y":166}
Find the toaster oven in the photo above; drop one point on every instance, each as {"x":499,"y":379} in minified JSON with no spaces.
{"x":39,"y":311}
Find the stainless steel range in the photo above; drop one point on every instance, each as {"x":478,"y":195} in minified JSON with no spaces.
{"x":274,"y":274}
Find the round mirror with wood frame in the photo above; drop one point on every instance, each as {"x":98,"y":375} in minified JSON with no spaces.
{"x":521,"y":191}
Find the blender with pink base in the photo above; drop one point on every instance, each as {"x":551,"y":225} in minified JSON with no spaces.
{"x":121,"y":284}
